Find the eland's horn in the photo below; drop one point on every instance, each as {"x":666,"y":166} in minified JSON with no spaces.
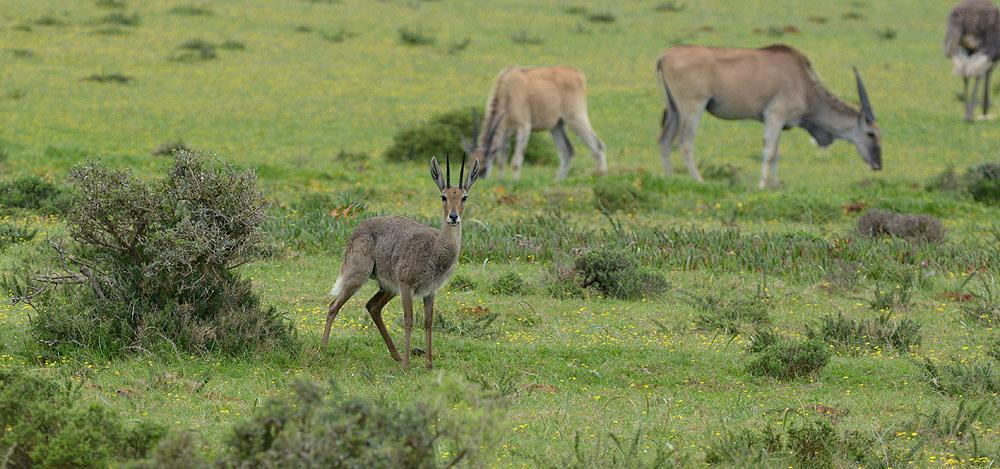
{"x":866,"y":105}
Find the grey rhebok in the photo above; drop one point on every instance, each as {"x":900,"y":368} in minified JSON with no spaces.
{"x":536,"y":98}
{"x":405,"y":258}
{"x":775,"y":85}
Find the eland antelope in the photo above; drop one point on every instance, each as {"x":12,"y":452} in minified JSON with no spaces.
{"x":536,"y":98}
{"x":973,"y":44}
{"x":405,"y":258}
{"x":775,"y":85}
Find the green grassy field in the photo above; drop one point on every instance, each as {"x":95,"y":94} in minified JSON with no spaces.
{"x":567,"y":368}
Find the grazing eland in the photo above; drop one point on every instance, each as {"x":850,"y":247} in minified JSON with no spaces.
{"x":536,"y":98}
{"x":775,"y":85}
{"x":973,"y":44}
{"x":405,"y":258}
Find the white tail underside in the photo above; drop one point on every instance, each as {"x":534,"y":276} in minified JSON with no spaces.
{"x":337,"y":286}
{"x":974,"y":65}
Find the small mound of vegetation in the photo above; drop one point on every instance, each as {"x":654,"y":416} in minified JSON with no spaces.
{"x":984,"y":304}
{"x":881,"y":332}
{"x":120,"y":19}
{"x":232,"y":44}
{"x":169,"y":147}
{"x":461,"y":283}
{"x":509,"y":283}
{"x":195,"y":50}
{"x":442,"y":134}
{"x":669,"y":7}
{"x":525,"y":37}
{"x":337,"y":36}
{"x":415,"y":36}
{"x":33,"y":193}
{"x":22,"y":53}
{"x":192,"y":10}
{"x":154,"y":263}
{"x":812,"y":443}
{"x":110,"y":77}
{"x":45,"y":424}
{"x":732,"y":313}
{"x":111,"y":3}
{"x":914,"y":228}
{"x":785,"y":359}
{"x":958,"y":378}
{"x":623,"y":194}
{"x":981,"y":182}
{"x":12,"y":233}
{"x":601,"y":17}
{"x":616,"y":274}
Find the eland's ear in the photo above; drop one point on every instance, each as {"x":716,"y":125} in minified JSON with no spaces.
{"x":468,"y":145}
{"x":473,"y":175}
{"x":436,"y":174}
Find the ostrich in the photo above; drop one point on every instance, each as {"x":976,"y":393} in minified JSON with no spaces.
{"x":973,"y":43}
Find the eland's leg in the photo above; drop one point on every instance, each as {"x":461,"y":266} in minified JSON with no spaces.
{"x":521,"y":136}
{"x":986,"y":93}
{"x":688,"y":131}
{"x":769,"y":162}
{"x":374,"y":307}
{"x":564,"y":147}
{"x":670,"y":123}
{"x":406,"y":294}
{"x":970,"y":103}
{"x":428,"y":326}
{"x":581,"y":126}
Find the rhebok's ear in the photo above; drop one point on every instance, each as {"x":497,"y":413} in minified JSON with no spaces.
{"x":436,"y":174}
{"x":473,"y":175}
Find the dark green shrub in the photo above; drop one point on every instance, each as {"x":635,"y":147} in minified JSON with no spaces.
{"x":525,"y":37}
{"x":983,"y":182}
{"x":601,"y":17}
{"x":195,"y":50}
{"x":33,"y":193}
{"x":984,"y":306}
{"x":442,"y":134}
{"x":964,"y":379}
{"x":813,"y":443}
{"x":169,"y":147}
{"x":880,"y":332}
{"x":415,"y":36}
{"x":726,"y":173}
{"x":46,"y":425}
{"x":12,"y":233}
{"x":232,"y":44}
{"x":732,"y":313}
{"x":745,"y":448}
{"x":110,"y":77}
{"x":915,"y":228}
{"x":119,"y":19}
{"x":947,"y":180}
{"x":176,"y":450}
{"x":154,"y":262}
{"x":616,"y":274}
{"x":337,"y":36}
{"x":461,"y":283}
{"x":786,"y":359}
{"x":111,"y":3}
{"x":316,"y":428}
{"x":508,"y":283}
{"x":670,"y":7}
{"x":192,"y":10}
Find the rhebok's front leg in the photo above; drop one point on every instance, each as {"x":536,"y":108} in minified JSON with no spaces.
{"x":406,"y":295}
{"x":428,"y":324}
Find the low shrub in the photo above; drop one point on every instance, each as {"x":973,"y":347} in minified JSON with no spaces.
{"x":725,"y":173}
{"x":915,"y":228}
{"x":525,"y":37}
{"x":670,"y":7}
{"x":110,"y":77}
{"x":442,"y":134}
{"x":616,"y":274}
{"x":461,"y":283}
{"x":192,"y":10}
{"x":624,"y":194}
{"x":232,"y":44}
{"x":983,"y":182}
{"x":415,"y":36}
{"x":12,"y":233}
{"x":601,"y":17}
{"x":33,"y":193}
{"x":119,"y":19}
{"x":195,"y":50}
{"x":734,"y":312}
{"x":880,"y":332}
{"x":169,"y":147}
{"x":153,"y":263}
{"x":508,"y":283}
{"x":957,"y":378}
{"x":786,"y":359}
{"x":812,"y":443}
{"x":46,"y":425}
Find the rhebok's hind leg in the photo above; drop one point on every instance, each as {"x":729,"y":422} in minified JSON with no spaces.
{"x":564,"y":147}
{"x":374,"y":307}
{"x":428,"y":326}
{"x":345,"y":293}
{"x":582,"y":128}
{"x":769,"y":161}
{"x":521,"y":137}
{"x":406,"y":295}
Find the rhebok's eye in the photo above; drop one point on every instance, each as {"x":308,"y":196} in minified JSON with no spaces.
{"x":444,"y":199}
{"x":464,"y":197}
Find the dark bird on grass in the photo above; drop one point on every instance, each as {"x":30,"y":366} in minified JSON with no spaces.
{"x":973,"y":44}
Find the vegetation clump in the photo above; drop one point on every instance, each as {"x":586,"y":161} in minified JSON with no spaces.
{"x":981,"y":182}
{"x":732,"y":313}
{"x":461,"y":282}
{"x":154,"y":262}
{"x":32,"y":193}
{"x":44,"y":424}
{"x":12,"y":233}
{"x":195,"y":50}
{"x":442,"y":134}
{"x":110,"y":77}
{"x":509,"y":283}
{"x":618,"y":194}
{"x":914,"y":228}
{"x":616,"y":274}
{"x":785,"y":359}
{"x":882,"y":332}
